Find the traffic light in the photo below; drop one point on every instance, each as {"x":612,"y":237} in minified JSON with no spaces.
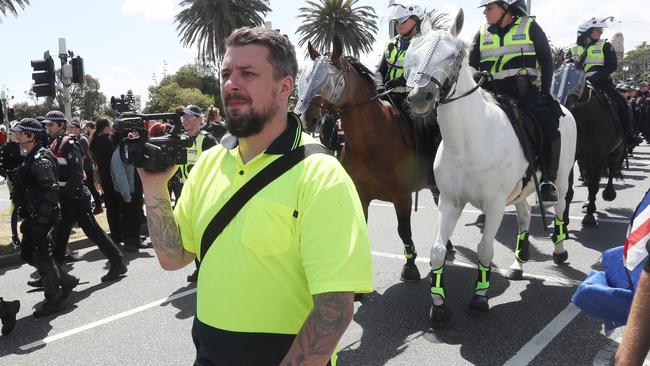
{"x":77,"y":70}
{"x":44,"y":76}
{"x":11,"y":116}
{"x":119,"y":104}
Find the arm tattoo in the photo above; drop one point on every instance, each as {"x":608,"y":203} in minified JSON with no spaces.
{"x":163,"y":230}
{"x":322,"y":330}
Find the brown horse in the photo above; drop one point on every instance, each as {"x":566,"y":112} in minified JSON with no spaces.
{"x":379,"y":151}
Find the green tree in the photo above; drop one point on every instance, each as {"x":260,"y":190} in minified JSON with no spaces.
{"x":637,"y":63}
{"x":24,"y":110}
{"x":558,"y":55}
{"x":207,"y":23}
{"x":8,"y":7}
{"x":167,"y":97}
{"x":86,"y":101}
{"x":130,"y":99}
{"x":323,"y":19}
{"x":438,"y":20}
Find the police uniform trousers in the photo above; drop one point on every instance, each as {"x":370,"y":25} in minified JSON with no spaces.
{"x":539,"y":107}
{"x":78,"y":210}
{"x":36,"y":249}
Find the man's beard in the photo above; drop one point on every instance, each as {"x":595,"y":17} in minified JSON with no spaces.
{"x":245,"y":125}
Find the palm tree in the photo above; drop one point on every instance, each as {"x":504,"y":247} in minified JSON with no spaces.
{"x":558,"y":54}
{"x":438,"y":21}
{"x":9,"y":6}
{"x":324,"y":19}
{"x":207,"y":23}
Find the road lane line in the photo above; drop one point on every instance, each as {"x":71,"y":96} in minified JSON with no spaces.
{"x":611,"y":220}
{"x":74,"y":331}
{"x":535,"y":346}
{"x":456,"y":263}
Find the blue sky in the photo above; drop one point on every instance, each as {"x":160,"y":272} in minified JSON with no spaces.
{"x":124,"y":42}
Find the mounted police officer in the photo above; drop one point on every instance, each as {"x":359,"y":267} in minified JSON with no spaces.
{"x":74,"y":197}
{"x":405,"y":21}
{"x":35,"y":196}
{"x":513,"y":48}
{"x":598,"y":59}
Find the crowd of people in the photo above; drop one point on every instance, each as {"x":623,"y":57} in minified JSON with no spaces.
{"x":277,"y":248}
{"x":61,"y":173}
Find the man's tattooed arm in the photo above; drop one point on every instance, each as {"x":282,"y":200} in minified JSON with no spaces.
{"x":322,"y":330}
{"x":164,"y":233}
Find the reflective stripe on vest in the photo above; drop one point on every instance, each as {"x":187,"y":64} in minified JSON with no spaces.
{"x":395,"y":59}
{"x":193,"y":153}
{"x":504,"y":58}
{"x":595,"y":59}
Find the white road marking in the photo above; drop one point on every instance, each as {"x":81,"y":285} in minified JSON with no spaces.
{"x":104,"y":321}
{"x":533,"y":348}
{"x":457,"y":263}
{"x":611,"y":220}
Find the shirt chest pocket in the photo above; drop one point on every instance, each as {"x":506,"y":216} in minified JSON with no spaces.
{"x":268,"y":227}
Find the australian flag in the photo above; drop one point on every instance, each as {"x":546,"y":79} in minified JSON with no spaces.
{"x":608,"y":295}
{"x":638,"y":235}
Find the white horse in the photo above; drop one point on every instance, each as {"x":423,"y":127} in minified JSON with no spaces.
{"x":480,"y":160}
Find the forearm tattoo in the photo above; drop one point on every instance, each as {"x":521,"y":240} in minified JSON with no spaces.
{"x":163,"y":230}
{"x":322,"y":330}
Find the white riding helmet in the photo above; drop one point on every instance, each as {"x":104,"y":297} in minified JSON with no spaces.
{"x":594,"y":23}
{"x":519,"y":4}
{"x":401,"y":12}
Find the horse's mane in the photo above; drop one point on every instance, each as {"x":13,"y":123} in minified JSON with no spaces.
{"x":366,"y":75}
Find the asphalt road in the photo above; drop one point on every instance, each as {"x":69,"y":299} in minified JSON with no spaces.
{"x":145,"y":319}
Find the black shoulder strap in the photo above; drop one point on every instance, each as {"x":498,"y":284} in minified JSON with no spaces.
{"x":248,"y":190}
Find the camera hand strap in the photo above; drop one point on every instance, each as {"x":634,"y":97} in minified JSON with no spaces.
{"x":267,"y":175}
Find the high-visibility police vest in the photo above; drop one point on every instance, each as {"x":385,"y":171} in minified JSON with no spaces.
{"x":505,"y":57}
{"x":193,"y":153}
{"x":395,"y":59}
{"x":58,"y":148}
{"x":595,"y":58}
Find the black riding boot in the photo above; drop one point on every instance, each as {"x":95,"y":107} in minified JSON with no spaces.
{"x":549,"y":172}
{"x":8,"y":311}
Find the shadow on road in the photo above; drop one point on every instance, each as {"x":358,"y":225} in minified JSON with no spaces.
{"x":186,"y":305}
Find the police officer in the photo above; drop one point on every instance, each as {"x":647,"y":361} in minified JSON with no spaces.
{"x":35,"y":196}
{"x":74,"y":197}
{"x":203,"y":140}
{"x":405,"y":20}
{"x":598,"y":59}
{"x":214,"y":123}
{"x":513,"y":48}
{"x":10,"y":160}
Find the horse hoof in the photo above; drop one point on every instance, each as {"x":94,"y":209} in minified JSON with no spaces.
{"x":440,"y":316}
{"x":609,"y":194}
{"x":589,"y":220}
{"x":478,"y":306}
{"x":515,"y":274}
{"x":561,"y":257}
{"x":410,"y":273}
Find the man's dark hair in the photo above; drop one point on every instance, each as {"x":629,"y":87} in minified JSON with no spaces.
{"x":281,"y":52}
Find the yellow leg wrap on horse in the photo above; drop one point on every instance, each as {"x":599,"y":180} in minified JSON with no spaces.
{"x":559,"y":234}
{"x":483,"y":280}
{"x":437,"y":283}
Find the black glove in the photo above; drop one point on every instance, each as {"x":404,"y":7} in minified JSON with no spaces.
{"x":482,"y":74}
{"x":393,"y":83}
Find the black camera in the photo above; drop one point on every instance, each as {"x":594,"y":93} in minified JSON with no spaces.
{"x":154,"y":154}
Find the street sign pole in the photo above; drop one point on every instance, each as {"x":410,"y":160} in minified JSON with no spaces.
{"x":65,"y":78}
{"x":528,"y":5}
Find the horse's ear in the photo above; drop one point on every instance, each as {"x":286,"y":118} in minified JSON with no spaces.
{"x":458,"y":23}
{"x":337,"y":48}
{"x":312,"y":51}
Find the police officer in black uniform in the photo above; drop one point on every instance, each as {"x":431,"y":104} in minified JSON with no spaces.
{"x":515,"y":50}
{"x":74,"y":197}
{"x":35,"y":196}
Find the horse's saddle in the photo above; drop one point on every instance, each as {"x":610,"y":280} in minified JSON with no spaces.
{"x":527,"y":128}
